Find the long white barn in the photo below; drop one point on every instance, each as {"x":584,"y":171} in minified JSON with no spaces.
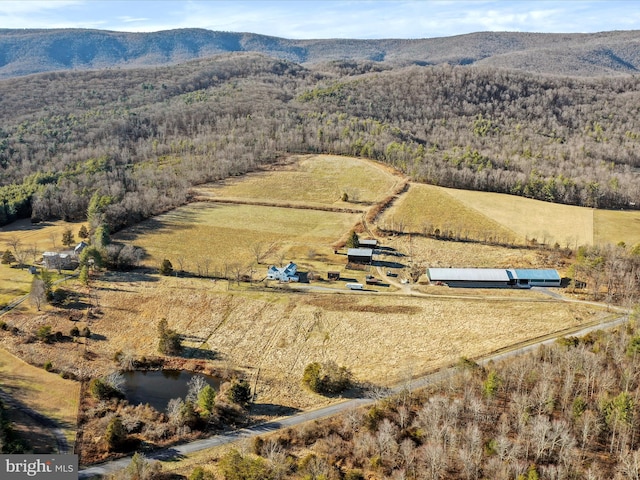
{"x":495,"y":277}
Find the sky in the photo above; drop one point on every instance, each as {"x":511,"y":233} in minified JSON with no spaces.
{"x":314,"y":19}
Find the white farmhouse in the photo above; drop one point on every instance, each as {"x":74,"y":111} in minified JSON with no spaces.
{"x":283,"y":274}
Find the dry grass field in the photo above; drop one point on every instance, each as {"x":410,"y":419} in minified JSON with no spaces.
{"x":225,"y":234}
{"x":44,"y":236}
{"x":41,"y":391}
{"x":546,"y":222}
{"x":613,"y":226}
{"x":381,"y":338}
{"x":13,"y":283}
{"x":310,"y":180}
{"x":435,"y":207}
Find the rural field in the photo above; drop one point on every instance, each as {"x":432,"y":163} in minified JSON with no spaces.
{"x":310,"y":180}
{"x":430,"y":207}
{"x":381,"y":338}
{"x":42,"y":391}
{"x":224,"y":235}
{"x":41,"y":237}
{"x":271,"y":334}
{"x":483,"y":215}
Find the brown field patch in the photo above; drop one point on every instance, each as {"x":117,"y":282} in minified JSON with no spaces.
{"x":379,"y":337}
{"x":224,"y":233}
{"x":312,"y":179}
{"x":42,"y":391}
{"x":427,"y":207}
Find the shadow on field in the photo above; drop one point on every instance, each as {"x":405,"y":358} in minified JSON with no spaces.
{"x":187,"y":220}
{"x":199,"y":353}
{"x":273,"y":410}
{"x":386,"y":264}
{"x":132,"y":276}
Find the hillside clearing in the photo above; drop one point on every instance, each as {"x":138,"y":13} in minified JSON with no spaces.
{"x":532,"y":219}
{"x":430,"y":207}
{"x":310,"y":179}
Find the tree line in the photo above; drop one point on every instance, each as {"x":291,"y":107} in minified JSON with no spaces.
{"x":144,"y":136}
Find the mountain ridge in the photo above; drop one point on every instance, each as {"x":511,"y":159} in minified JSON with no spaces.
{"x":25,"y":52}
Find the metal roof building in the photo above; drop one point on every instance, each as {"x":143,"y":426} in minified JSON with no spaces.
{"x":538,"y":277}
{"x":360,"y":255}
{"x":368,"y":243}
{"x":494,"y":277}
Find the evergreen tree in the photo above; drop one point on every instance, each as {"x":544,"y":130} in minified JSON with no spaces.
{"x":115,"y":435}
{"x":169,"y":342}
{"x":207,"y":400}
{"x":239,"y":392}
{"x":84,"y":275}
{"x":7,"y":257}
{"x":83,"y":233}
{"x":353,"y":241}
{"x":67,"y":237}
{"x":166,"y":268}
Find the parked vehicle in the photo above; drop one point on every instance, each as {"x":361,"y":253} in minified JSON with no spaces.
{"x":354,"y":286}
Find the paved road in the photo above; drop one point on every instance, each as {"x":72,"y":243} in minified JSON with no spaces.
{"x":268,"y":427}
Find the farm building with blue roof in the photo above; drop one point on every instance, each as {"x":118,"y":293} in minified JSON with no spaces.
{"x":494,"y":277}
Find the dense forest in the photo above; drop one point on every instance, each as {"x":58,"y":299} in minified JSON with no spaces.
{"x":142,"y":137}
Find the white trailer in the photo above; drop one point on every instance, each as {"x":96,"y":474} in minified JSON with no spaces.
{"x":354,"y":286}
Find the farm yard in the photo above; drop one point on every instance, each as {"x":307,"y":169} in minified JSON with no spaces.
{"x":298,"y":212}
{"x":381,"y":338}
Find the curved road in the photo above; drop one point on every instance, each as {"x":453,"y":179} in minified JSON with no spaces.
{"x":272,"y":426}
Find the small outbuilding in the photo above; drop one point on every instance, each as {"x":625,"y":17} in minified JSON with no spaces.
{"x":333,"y":275}
{"x":360,"y":255}
{"x":80,"y":247}
{"x":368,"y":243}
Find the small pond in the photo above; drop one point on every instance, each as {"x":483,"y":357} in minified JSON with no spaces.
{"x":157,"y":387}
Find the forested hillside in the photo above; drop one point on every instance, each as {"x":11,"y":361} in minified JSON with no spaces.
{"x":26,"y":51}
{"x":142,"y":137}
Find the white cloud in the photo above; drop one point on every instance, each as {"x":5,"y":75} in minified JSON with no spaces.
{"x":328,"y":18}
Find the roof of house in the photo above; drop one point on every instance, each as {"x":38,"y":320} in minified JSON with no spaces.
{"x":289,"y":270}
{"x":360,"y":252}
{"x":368,"y":242}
